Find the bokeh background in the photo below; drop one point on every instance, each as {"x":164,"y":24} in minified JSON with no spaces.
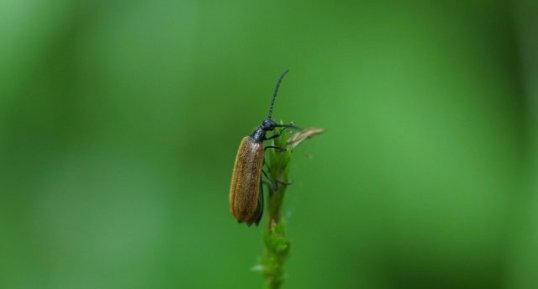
{"x":120,"y":120}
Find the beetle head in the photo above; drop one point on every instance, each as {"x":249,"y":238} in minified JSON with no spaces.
{"x":268,"y":124}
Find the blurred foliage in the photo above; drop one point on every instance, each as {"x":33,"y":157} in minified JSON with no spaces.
{"x":119,"y":123}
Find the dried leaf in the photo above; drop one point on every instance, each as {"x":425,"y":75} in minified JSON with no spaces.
{"x":299,"y":137}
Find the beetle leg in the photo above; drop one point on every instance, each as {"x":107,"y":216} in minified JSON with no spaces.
{"x":289,"y":125}
{"x":265,"y":174}
{"x":283,"y":183}
{"x":281,"y":149}
{"x":272,"y":185}
{"x":269,"y":181}
{"x":275,"y":184}
{"x":273,"y":136}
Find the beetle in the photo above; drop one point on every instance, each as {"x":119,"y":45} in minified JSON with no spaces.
{"x":246,"y":195}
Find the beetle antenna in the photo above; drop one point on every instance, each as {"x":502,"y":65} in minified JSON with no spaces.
{"x":276,"y":92}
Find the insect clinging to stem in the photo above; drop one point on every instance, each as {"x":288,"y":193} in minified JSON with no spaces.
{"x":246,"y":195}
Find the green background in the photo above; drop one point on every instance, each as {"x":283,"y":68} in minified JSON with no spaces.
{"x":120,"y":120}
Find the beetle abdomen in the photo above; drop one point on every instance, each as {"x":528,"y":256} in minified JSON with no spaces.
{"x":246,"y":177}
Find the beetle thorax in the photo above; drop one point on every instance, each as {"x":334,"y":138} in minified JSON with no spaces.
{"x":259,"y":134}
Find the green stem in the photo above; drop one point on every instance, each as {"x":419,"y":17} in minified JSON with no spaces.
{"x":277,"y":246}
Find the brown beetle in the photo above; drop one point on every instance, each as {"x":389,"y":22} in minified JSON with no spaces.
{"x":246,"y":195}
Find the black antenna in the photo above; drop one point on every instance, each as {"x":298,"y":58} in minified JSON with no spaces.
{"x":276,"y":92}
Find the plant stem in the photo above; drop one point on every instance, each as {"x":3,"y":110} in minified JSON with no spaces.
{"x":277,"y":246}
